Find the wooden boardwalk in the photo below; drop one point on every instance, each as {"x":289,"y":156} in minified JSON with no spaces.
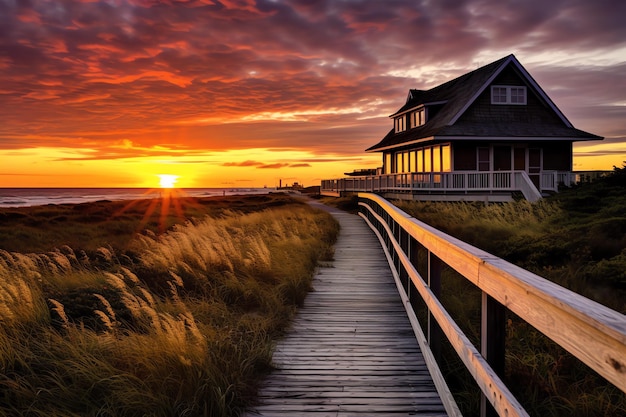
{"x":351,"y":350}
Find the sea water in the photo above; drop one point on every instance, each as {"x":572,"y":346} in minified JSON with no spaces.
{"x":23,"y":197}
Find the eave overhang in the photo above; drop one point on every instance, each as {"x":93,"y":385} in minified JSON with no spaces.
{"x":440,"y":138}
{"x":402,"y":145}
{"x":419,"y":106}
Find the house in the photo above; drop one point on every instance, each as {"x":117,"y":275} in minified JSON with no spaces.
{"x":492,"y":134}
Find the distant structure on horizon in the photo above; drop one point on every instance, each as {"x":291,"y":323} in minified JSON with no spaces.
{"x":492,"y":134}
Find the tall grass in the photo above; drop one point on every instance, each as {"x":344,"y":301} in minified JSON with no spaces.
{"x":486,"y":226}
{"x":184,"y":328}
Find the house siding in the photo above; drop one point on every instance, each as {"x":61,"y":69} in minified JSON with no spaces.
{"x":534,"y":112}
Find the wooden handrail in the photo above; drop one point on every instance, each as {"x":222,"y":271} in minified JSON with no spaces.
{"x":503,"y":401}
{"x":590,"y":331}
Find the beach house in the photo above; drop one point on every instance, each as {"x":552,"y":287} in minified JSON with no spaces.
{"x":492,"y":134}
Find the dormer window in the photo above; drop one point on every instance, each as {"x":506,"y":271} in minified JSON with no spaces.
{"x":507,"y":94}
{"x":400,"y":124}
{"x":418,"y":117}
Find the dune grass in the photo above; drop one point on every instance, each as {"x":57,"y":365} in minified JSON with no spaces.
{"x":89,"y":226}
{"x":174,"y":324}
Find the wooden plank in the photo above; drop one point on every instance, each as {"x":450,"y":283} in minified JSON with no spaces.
{"x":590,"y":331}
{"x":351,"y":350}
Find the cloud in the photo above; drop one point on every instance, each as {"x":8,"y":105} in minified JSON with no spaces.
{"x":202,"y":75}
{"x":273,"y":166}
{"x":242,"y":164}
{"x":603,"y":152}
{"x":264,"y":165}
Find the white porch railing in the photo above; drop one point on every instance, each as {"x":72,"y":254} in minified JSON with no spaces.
{"x":452,"y":182}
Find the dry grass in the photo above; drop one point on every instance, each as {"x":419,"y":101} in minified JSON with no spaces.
{"x":89,"y":226}
{"x":184,"y":328}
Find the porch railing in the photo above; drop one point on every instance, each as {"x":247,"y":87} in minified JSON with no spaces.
{"x":452,"y":182}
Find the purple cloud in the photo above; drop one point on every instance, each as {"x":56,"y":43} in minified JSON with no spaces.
{"x":319,"y":76}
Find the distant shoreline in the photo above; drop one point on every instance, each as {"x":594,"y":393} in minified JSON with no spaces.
{"x":27,"y":197}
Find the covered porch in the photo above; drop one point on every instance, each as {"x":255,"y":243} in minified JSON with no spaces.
{"x":453,"y":186}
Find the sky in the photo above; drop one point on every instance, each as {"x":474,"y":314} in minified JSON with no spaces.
{"x":250,"y":93}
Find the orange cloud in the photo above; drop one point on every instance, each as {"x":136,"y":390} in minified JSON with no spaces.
{"x":242,"y":164}
{"x":178,"y":78}
{"x":273,"y":166}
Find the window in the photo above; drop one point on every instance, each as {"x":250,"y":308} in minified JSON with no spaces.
{"x":483,"y":159}
{"x":445,"y":158}
{"x":498,"y":95}
{"x":503,"y":94}
{"x":429,"y":159}
{"x":436,"y":158}
{"x":418,"y":118}
{"x":518,"y":95}
{"x":502,"y":158}
{"x":420,"y":161}
{"x":519,"y":159}
{"x":428,"y":167}
{"x":400,"y":126}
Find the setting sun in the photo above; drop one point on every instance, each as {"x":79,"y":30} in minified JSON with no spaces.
{"x":167,"y":180}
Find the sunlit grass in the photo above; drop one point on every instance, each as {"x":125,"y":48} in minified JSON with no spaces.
{"x":183,"y":327}
{"x":89,"y":226}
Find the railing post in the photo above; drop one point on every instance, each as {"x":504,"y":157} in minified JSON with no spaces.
{"x":434,"y":282}
{"x":399,"y":267}
{"x":492,"y":346}
{"x":413,"y":255}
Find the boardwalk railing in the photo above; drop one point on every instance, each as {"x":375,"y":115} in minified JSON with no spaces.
{"x":452,"y":182}
{"x":593,"y":333}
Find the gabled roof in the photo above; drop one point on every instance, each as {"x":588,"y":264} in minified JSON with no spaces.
{"x":457,"y":95}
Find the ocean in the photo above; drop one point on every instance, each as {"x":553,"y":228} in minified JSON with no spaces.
{"x":24,"y":197}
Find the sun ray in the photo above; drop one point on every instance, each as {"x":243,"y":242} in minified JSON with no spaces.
{"x":172,"y":202}
{"x":165,"y":210}
{"x":146,"y":217}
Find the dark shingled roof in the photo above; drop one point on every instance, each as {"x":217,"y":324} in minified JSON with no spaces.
{"x":458,"y":94}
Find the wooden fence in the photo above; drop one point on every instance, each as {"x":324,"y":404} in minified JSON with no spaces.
{"x":593,"y":333}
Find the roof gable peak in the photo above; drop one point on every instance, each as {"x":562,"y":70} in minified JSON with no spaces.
{"x":504,"y":63}
{"x":413,"y":92}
